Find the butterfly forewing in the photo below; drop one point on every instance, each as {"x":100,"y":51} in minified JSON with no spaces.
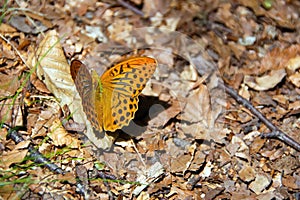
{"x":121,"y":86}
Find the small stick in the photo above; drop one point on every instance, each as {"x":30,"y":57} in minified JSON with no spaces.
{"x":37,"y":156}
{"x":130,"y":7}
{"x":40,"y":159}
{"x":138,"y":153}
{"x":275,"y":132}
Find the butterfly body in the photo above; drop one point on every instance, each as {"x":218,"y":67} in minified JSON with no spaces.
{"x":110,"y":101}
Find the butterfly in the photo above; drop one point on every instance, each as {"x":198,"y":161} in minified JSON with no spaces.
{"x":110,"y":101}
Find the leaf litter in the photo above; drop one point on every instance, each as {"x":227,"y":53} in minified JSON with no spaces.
{"x":195,"y":142}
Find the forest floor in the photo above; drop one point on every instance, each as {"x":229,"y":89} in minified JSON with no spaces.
{"x":189,"y":139}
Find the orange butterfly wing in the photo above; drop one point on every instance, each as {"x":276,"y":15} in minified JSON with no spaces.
{"x":122,"y":84}
{"x":111,"y":101}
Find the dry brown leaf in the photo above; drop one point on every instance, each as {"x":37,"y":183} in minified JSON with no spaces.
{"x":23,"y":144}
{"x":61,"y":137}
{"x":9,"y":192}
{"x":198,"y":161}
{"x":54,"y":70}
{"x":238,"y":148}
{"x":151,"y":7}
{"x":282,"y":99}
{"x":295,"y":79}
{"x":200,"y":116}
{"x":262,"y":181}
{"x":295,"y":105}
{"x":198,"y":107}
{"x":43,"y":121}
{"x":280,"y":14}
{"x":14,"y":156}
{"x":179,"y":164}
{"x":5,"y":28}
{"x":8,"y":111}
{"x":293,"y":64}
{"x":163,"y":117}
{"x":255,"y":5}
{"x":70,"y":177}
{"x":265,"y":82}
{"x":279,"y":58}
{"x":247,"y":173}
{"x":291,"y":182}
{"x":38,"y":84}
{"x":286,"y":163}
{"x":8,"y":84}
{"x":151,"y":175}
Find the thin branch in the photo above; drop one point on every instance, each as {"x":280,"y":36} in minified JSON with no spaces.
{"x":37,"y":156}
{"x":275,"y":132}
{"x":40,"y":159}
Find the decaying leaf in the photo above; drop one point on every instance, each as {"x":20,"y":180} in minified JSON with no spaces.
{"x":247,"y":173}
{"x":266,"y":82}
{"x":180,"y":164}
{"x":14,"y":156}
{"x":260,"y":183}
{"x":53,"y":68}
{"x":8,"y":84}
{"x":152,"y":174}
{"x":280,"y":62}
{"x":163,"y":117}
{"x":61,"y":137}
{"x":198,"y":107}
{"x":295,"y":79}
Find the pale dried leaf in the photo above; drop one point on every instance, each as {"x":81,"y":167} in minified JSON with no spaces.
{"x":5,"y":28}
{"x":261,"y":182}
{"x":237,"y":147}
{"x":295,"y":105}
{"x":198,"y":107}
{"x":180,"y":164}
{"x":293,"y":64}
{"x":8,"y":84}
{"x":291,"y":182}
{"x":163,"y":117}
{"x":23,"y":144}
{"x":207,"y":170}
{"x":247,"y":173}
{"x":265,"y":82}
{"x":151,"y":174}
{"x":14,"y":156}
{"x":61,"y":137}
{"x":54,"y":70}
{"x":295,"y":79}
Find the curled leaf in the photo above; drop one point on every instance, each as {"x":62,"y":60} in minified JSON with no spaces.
{"x":266,"y":82}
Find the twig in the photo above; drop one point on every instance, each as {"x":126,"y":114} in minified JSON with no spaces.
{"x":130,"y":7}
{"x":104,"y":176}
{"x":37,"y":156}
{"x":275,"y":132}
{"x":40,"y":159}
{"x":138,"y":153}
